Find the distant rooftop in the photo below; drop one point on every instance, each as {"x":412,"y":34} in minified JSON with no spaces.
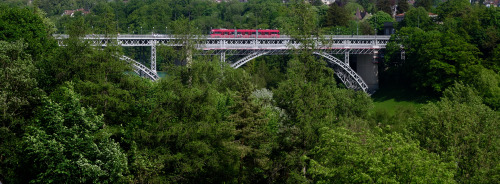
{"x":72,"y":12}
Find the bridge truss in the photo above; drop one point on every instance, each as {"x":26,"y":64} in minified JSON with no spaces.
{"x":251,"y":48}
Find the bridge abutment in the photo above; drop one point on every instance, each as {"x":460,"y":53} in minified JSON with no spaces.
{"x":368,"y":70}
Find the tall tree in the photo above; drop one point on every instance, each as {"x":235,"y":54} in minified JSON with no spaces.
{"x":62,"y":145}
{"x":434,"y":60}
{"x":337,"y":15}
{"x":19,"y":96}
{"x":377,"y":21}
{"x":369,"y":157}
{"x":417,"y":17}
{"x":462,"y":128}
{"x":403,"y":6}
{"x":385,"y":6}
{"x":17,"y":23}
{"x":424,"y":3}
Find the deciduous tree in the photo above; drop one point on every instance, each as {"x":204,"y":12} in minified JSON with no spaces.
{"x":63,"y":145}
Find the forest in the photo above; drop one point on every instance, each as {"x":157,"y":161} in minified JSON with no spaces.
{"x":78,"y":114}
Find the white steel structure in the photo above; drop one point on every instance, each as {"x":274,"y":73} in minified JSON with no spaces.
{"x":251,"y":48}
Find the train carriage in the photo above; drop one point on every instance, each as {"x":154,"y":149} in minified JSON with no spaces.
{"x":244,"y":33}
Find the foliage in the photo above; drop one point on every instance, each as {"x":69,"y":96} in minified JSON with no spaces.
{"x":368,"y":5}
{"x":487,"y":84}
{"x":385,"y":6}
{"x":377,"y":20}
{"x":62,"y":144}
{"x":17,"y":24}
{"x":462,"y":128}
{"x":417,"y":17}
{"x":352,"y":7}
{"x":403,"y":6}
{"x":337,"y":16}
{"x":279,"y":119}
{"x":424,"y":3}
{"x":312,"y":101}
{"x":19,"y":92}
{"x":452,"y":8}
{"x":342,"y":156}
{"x":19,"y":95}
{"x":434,"y":59}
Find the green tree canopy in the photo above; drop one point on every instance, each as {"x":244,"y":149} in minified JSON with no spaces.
{"x":343,"y":156}
{"x":63,"y":144}
{"x":465,"y":130}
{"x":434,"y":60}
{"x":417,"y":17}
{"x":337,"y":15}
{"x":377,"y":20}
{"x":17,"y":24}
{"x":424,"y":3}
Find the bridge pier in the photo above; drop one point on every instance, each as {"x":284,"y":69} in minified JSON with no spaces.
{"x":153,"y":56}
{"x":368,"y":70}
{"x":346,"y":57}
{"x":223,"y":57}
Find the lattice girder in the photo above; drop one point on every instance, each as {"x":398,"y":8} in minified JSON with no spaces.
{"x":141,"y":69}
{"x":346,"y":74}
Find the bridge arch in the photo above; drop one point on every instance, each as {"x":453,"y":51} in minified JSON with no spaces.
{"x":141,"y":69}
{"x":343,"y":71}
{"x":247,"y":58}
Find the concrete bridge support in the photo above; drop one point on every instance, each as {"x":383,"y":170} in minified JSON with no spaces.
{"x":368,"y":70}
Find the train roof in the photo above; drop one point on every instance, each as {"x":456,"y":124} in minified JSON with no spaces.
{"x":247,"y":30}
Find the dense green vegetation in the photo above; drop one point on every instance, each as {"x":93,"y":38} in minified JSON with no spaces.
{"x":76,"y":114}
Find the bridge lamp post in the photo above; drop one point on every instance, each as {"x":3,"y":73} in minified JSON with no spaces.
{"x":165,"y":30}
{"x":153,"y":31}
{"x":141,"y":29}
{"x":128,"y":30}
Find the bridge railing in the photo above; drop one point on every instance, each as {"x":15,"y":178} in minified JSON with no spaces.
{"x":169,"y":36}
{"x":206,"y":42}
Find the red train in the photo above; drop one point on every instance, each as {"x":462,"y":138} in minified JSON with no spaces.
{"x":244,"y":33}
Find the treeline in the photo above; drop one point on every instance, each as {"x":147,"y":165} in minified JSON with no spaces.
{"x":159,"y":16}
{"x":76,"y":114}
{"x":461,"y":44}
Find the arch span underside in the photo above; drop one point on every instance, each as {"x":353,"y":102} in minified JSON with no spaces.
{"x":343,"y":71}
{"x":346,"y":74}
{"x":247,"y":58}
{"x":141,"y":69}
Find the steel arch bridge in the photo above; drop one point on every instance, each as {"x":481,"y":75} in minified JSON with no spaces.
{"x":251,"y":48}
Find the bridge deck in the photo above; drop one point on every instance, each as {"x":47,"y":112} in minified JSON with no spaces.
{"x":328,"y":42}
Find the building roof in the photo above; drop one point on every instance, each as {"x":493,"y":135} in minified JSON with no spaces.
{"x":72,"y":12}
{"x":360,"y":14}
